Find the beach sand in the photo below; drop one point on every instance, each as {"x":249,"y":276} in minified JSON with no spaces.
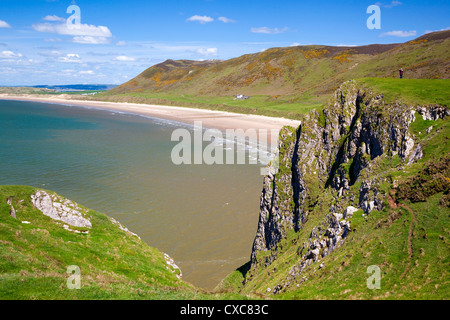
{"x":210,"y":119}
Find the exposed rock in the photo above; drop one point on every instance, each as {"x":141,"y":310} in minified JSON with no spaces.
{"x":60,"y":209}
{"x":416,"y":154}
{"x":172,"y":266}
{"x":433,"y":113}
{"x":349,"y":211}
{"x":329,"y":152}
{"x":122,"y":227}
{"x":12,"y":211}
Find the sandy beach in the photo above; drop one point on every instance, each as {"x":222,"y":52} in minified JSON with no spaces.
{"x":210,"y":119}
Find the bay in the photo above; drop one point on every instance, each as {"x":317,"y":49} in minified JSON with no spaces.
{"x":203,"y":216}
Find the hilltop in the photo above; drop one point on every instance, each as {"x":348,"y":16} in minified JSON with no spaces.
{"x":285,"y":81}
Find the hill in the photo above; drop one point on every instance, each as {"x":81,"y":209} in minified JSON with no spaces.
{"x":359,"y":208}
{"x":43,"y":236}
{"x":283,"y":81}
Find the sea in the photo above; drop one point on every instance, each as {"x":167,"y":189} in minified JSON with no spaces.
{"x":204,"y":216}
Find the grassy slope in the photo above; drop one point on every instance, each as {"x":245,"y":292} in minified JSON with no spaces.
{"x":114,"y":264}
{"x":283,"y":81}
{"x":411,"y":91}
{"x":383,"y":238}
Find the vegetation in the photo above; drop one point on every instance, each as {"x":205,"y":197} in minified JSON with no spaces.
{"x":36,"y":252}
{"x":411,"y":91}
{"x":407,"y":239}
{"x":291,"y":81}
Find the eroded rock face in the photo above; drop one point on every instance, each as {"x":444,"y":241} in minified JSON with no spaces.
{"x":330,"y":152}
{"x":434,"y":112}
{"x":60,"y":209}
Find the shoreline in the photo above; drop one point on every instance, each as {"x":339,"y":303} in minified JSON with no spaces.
{"x":221,"y":120}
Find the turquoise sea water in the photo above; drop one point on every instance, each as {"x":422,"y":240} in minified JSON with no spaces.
{"x":204,"y":216}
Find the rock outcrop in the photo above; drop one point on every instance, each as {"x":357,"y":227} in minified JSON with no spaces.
{"x":12,"y":211}
{"x":60,"y":209}
{"x":328,"y":154}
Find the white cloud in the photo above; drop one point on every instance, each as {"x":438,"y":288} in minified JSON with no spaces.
{"x":83,"y":33}
{"x":54,"y":18}
{"x":201,"y":19}
{"x":124,"y":58}
{"x":429,"y":31}
{"x":399,"y":33}
{"x":4,"y":24}
{"x":53,"y":40}
{"x":226,"y":20}
{"x":209,"y":52}
{"x":89,"y":72}
{"x":390,"y":5}
{"x":71,"y":58}
{"x":75,"y":30}
{"x":51,"y":53}
{"x":121,"y":43}
{"x":7,"y":54}
{"x":90,"y":40}
{"x":267,"y":30}
{"x":347,"y":45}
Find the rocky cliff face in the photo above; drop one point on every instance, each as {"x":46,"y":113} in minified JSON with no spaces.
{"x":331,"y":161}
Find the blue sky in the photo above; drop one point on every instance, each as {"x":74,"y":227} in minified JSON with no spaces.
{"x":116,"y":40}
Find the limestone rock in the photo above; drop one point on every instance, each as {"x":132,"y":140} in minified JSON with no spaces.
{"x":60,"y":209}
{"x":333,"y":149}
{"x":433,"y":113}
{"x":12,"y":211}
{"x":349,"y":211}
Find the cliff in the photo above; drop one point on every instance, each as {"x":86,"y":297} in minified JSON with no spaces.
{"x":353,"y":170}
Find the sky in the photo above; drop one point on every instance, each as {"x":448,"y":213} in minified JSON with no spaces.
{"x":110,"y":42}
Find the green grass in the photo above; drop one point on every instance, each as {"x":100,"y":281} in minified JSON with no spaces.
{"x":114,"y":264}
{"x":383,"y":238}
{"x":411,"y":91}
{"x":407,"y":91}
{"x":259,"y":104}
{"x":25,"y":90}
{"x":382,"y":242}
{"x":293,"y":80}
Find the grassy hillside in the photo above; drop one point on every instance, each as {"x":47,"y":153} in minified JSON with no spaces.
{"x":283,"y":81}
{"x":407,"y":239}
{"x":35,"y":252}
{"x":382,"y":239}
